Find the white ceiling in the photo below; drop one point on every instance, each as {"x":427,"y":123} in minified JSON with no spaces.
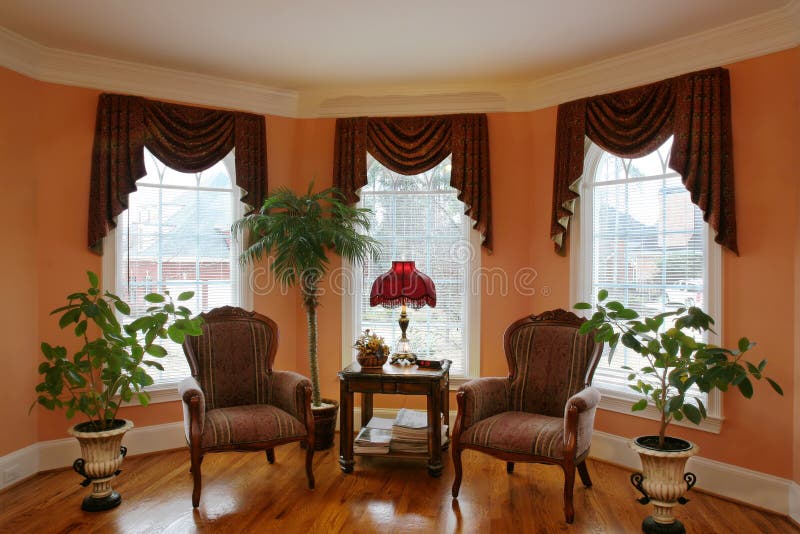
{"x":359,"y":47}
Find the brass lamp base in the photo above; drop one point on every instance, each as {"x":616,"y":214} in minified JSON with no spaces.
{"x":403,"y":354}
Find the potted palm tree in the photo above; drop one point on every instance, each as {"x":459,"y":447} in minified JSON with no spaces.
{"x":301,"y":230}
{"x":676,"y":367}
{"x":108,"y":368}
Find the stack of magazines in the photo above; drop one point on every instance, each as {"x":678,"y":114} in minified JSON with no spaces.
{"x":375,"y":437}
{"x":410,"y":432}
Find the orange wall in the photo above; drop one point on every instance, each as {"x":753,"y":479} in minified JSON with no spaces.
{"x":18,"y":317}
{"x":759,"y":434}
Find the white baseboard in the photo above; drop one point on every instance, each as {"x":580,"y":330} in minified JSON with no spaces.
{"x":726,"y":480}
{"x":794,"y":503}
{"x":759,"y":489}
{"x":60,"y":453}
{"x":18,"y":465}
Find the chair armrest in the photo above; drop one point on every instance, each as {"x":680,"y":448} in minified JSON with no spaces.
{"x":579,"y":419}
{"x":287,"y":391}
{"x":194,"y":406}
{"x":481,"y":398}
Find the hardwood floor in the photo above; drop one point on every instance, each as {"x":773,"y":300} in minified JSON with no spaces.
{"x":243,"y":493}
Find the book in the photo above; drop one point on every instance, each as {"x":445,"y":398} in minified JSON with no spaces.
{"x":411,"y":419}
{"x":373,"y":437}
{"x":359,"y":449}
{"x":381,"y":422}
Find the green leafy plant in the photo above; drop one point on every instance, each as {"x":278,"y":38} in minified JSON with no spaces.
{"x":300,"y":230}
{"x":675,"y":359}
{"x":112,"y":366}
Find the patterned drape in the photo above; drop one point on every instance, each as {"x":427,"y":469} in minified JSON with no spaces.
{"x":186,"y":138}
{"x":411,"y":145}
{"x":695,"y":108}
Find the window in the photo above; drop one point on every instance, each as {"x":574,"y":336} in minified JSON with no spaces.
{"x":420,"y":218}
{"x":175,"y":235}
{"x":640,"y":237}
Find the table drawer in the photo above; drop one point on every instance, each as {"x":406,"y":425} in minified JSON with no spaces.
{"x":364,"y":386}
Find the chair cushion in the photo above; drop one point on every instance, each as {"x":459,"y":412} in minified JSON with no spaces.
{"x":250,"y":423}
{"x":519,"y":432}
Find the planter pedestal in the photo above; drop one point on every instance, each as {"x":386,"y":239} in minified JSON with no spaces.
{"x":102,"y":456}
{"x":663,"y":482}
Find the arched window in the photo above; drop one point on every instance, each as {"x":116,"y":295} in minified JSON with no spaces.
{"x":175,"y":236}
{"x":640,"y":237}
{"x":420,"y":218}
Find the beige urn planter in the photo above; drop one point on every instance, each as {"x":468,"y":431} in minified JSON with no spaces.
{"x":101,"y":456}
{"x":663,"y":481}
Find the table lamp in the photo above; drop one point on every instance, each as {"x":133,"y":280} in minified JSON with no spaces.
{"x":403,"y":285}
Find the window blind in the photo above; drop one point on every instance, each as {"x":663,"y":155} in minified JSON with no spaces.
{"x":175,"y":236}
{"x":419,"y":218}
{"x":648,"y":243}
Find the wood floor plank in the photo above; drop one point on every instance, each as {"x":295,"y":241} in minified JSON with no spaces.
{"x":243,"y":493}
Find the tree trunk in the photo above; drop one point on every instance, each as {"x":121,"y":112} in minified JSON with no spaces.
{"x":311,"y":316}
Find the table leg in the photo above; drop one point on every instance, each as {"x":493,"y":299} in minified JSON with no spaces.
{"x":434,"y":398}
{"x":346,"y":428}
{"x":366,"y":408}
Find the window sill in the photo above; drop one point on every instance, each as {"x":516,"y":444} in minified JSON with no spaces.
{"x":616,"y":401}
{"x":158,"y":394}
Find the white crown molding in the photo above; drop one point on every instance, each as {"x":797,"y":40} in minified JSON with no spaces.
{"x":83,"y":70}
{"x":772,"y":31}
{"x":769,"y":32}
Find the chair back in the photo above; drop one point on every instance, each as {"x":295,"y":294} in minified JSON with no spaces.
{"x":548,"y":361}
{"x":233,"y":357}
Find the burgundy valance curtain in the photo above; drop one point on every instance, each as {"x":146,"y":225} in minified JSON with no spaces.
{"x":186,"y":138}
{"x":695,"y":108}
{"x":411,"y":145}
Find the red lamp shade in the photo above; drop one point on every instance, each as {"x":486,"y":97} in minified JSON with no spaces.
{"x":403,"y":284}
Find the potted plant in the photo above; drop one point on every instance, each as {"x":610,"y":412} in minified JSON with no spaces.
{"x":109,"y":367}
{"x":371,"y":350}
{"x":301,"y":230}
{"x":676,"y":365}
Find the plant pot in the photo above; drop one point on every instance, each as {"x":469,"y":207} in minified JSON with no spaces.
{"x":102,"y":456}
{"x":324,"y":424}
{"x":371,"y":361}
{"x":663,"y":481}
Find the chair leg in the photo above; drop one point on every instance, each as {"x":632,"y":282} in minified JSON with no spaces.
{"x":197,"y":460}
{"x":309,"y":465}
{"x":456,"y":452}
{"x":569,"y":483}
{"x":509,"y":467}
{"x":584,"y":473}
{"x":271,"y":456}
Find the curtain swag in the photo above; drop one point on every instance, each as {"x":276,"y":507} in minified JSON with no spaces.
{"x":186,"y":138}
{"x":411,"y":145}
{"x":695,"y":108}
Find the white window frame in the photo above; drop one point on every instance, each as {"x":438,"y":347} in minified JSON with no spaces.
{"x":168,"y":391}
{"x":614,"y":390}
{"x":351,"y":312}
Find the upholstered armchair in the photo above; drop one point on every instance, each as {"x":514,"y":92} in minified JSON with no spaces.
{"x":544,"y":411}
{"x":234,"y":400}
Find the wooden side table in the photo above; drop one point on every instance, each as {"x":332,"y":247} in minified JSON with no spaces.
{"x":395,"y":379}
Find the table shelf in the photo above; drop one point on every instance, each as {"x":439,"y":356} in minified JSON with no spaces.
{"x":400,"y":380}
